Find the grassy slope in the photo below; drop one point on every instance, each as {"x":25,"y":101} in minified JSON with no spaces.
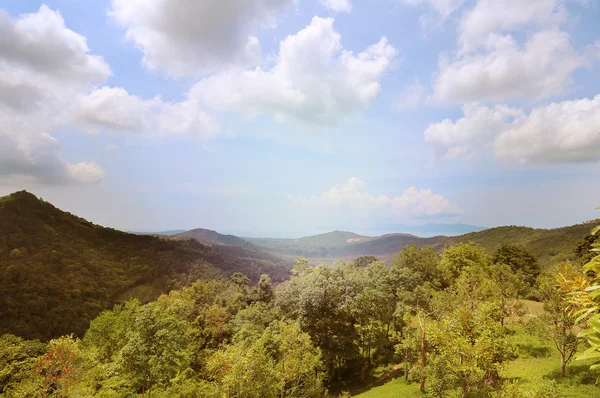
{"x":538,"y":361}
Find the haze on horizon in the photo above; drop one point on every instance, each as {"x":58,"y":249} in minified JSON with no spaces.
{"x":296,"y":117}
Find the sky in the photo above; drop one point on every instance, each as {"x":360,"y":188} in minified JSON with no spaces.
{"x":286,"y":118}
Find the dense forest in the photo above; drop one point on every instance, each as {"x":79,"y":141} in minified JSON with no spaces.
{"x":59,"y":271}
{"x":451,"y":322}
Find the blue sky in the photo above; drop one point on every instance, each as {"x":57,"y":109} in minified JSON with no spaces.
{"x":286,"y":118}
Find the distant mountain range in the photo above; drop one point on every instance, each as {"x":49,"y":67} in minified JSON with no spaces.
{"x":58,"y":271}
{"x":548,"y":245}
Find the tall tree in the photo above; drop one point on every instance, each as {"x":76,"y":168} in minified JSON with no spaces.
{"x":557,"y":323}
{"x":520,"y":261}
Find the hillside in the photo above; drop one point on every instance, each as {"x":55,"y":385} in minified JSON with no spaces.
{"x":310,"y":246}
{"x":212,"y":238}
{"x":58,"y":271}
{"x":548,"y":245}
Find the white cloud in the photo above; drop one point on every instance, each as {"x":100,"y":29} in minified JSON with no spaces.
{"x":41,"y":43}
{"x":412,"y":203}
{"x":567,"y":131}
{"x":314,"y":80}
{"x":338,"y":5}
{"x":43,"y":66}
{"x":189,"y":37}
{"x":117,"y":110}
{"x":495,"y":63}
{"x":86,"y":172}
{"x":539,"y":69}
{"x":555,"y":133}
{"x":112,"y":147}
{"x":411,"y":96}
{"x":473,"y":133}
{"x":492,"y":16}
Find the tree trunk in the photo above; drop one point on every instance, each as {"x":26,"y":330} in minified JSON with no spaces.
{"x":422,"y":360}
{"x":563,"y":364}
{"x":463,"y":385}
{"x":406,"y":369}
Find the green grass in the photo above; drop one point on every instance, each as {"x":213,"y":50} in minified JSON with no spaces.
{"x":395,"y":388}
{"x":538,"y":361}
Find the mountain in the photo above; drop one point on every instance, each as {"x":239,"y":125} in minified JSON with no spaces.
{"x":548,"y":245}
{"x":212,"y":238}
{"x":58,"y":271}
{"x":382,"y":245}
{"x":160,"y":233}
{"x":438,"y":229}
{"x":309,"y":246}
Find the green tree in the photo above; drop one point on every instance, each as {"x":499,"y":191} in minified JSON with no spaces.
{"x":585,"y":294}
{"x":281,"y":363}
{"x":459,"y":257}
{"x":468,"y":346}
{"x":506,"y":290}
{"x":584,"y":251}
{"x":364,"y":261}
{"x":416,"y":265}
{"x":156,"y":349}
{"x":373,"y":307}
{"x":17,"y":365}
{"x":520,"y":261}
{"x":557,"y":323}
{"x":107,"y":333}
{"x":264,"y":290}
{"x":321,"y":299}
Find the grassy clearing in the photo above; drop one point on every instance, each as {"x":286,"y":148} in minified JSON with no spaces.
{"x":538,"y":361}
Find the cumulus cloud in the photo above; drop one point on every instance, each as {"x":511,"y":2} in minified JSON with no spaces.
{"x":40,"y":42}
{"x":494,"y":62}
{"x":491,"y":16}
{"x":411,"y":204}
{"x":474,"y":132}
{"x":115,"y":109}
{"x":555,"y":133}
{"x":43,"y":66}
{"x":338,"y":5}
{"x":314,"y":80}
{"x":189,"y":37}
{"x":505,"y":70}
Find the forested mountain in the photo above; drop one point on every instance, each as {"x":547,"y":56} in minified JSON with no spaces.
{"x":58,"y":271}
{"x":208,"y":237}
{"x":310,"y":246}
{"x":548,"y":245}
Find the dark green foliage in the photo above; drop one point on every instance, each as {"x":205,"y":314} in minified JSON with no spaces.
{"x":58,"y":271}
{"x":583,"y":251}
{"x":520,"y":261}
{"x":363,"y":261}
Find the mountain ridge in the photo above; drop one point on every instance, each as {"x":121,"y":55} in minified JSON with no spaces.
{"x":58,"y":270}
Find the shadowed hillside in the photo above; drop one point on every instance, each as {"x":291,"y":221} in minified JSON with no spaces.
{"x":58,"y":271}
{"x":208,"y":237}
